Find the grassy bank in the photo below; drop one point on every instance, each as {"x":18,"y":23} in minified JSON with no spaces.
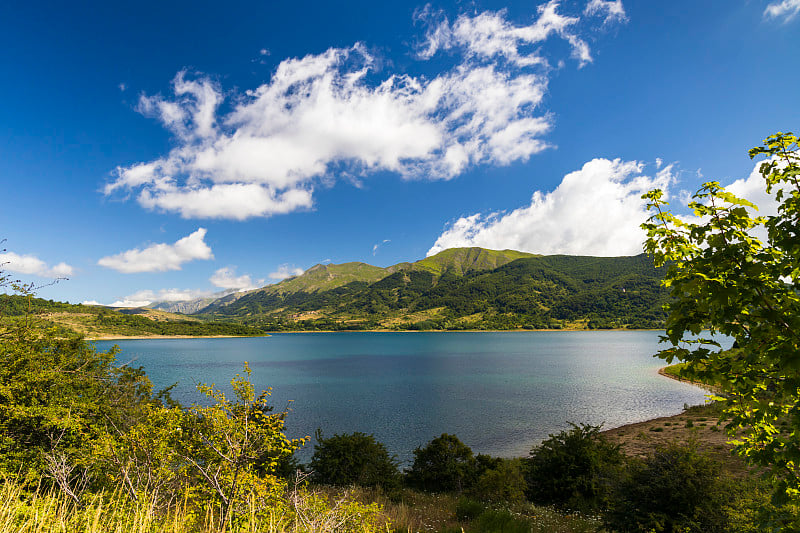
{"x":314,"y":510}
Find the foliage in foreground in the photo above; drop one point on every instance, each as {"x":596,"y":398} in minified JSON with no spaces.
{"x":573,"y":469}
{"x":298,"y":511}
{"x":353,"y":459}
{"x":726,"y":279}
{"x":445,"y":464}
{"x":675,"y":489}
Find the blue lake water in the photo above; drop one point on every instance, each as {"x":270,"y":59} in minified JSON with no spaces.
{"x":500,"y":393}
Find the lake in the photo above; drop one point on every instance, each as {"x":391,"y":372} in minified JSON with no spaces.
{"x":500,"y":393}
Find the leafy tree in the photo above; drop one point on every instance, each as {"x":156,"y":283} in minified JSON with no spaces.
{"x":234,"y":446}
{"x":353,"y":459}
{"x":677,"y":489}
{"x":226,"y":452}
{"x":58,"y":395}
{"x":573,"y":468}
{"x":725,"y":279}
{"x":503,"y":482}
{"x":444,"y":464}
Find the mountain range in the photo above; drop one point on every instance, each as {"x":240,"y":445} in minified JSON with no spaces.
{"x":456,"y":289}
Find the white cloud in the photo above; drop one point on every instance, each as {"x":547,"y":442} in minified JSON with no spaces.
{"x":147,"y":297}
{"x":786,"y":10}
{"x":160,"y":257}
{"x":328,"y":114}
{"x":32,"y":265}
{"x":612,"y":9}
{"x":285,"y":271}
{"x":90,"y":302}
{"x":754,"y":189}
{"x":596,"y":211}
{"x":490,"y":35}
{"x":226,"y":278}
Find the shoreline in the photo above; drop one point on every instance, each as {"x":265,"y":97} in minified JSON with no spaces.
{"x":704,"y":386}
{"x":559,"y":330}
{"x":161,"y":337}
{"x":700,"y":425}
{"x":270,"y":334}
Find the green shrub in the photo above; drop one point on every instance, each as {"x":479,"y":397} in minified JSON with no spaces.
{"x":469,"y":509}
{"x":675,"y":489}
{"x":353,"y":459}
{"x":572,"y":469}
{"x":497,"y":521}
{"x":503,"y":483}
{"x":445,"y":464}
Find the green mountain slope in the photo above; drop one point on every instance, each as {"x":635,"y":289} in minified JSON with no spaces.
{"x":466,"y":288}
{"x":460,"y":261}
{"x":327,"y":277}
{"x":323,"y":278}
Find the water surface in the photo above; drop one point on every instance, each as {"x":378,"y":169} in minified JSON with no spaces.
{"x":500,"y":393}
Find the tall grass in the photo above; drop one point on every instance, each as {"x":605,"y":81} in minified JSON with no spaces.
{"x":410,"y":511}
{"x":304,"y":511}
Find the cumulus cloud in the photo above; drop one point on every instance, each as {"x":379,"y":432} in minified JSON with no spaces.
{"x":226,"y":278}
{"x":753,"y":188}
{"x":594,"y":211}
{"x":490,"y":35}
{"x":285,"y":271}
{"x":160,"y":257}
{"x":32,"y":265}
{"x":786,"y":10}
{"x":332,"y":113}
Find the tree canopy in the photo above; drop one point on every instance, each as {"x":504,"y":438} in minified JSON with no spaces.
{"x":726,"y":280}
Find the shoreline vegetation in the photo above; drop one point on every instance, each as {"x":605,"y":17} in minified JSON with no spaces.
{"x":162,"y":337}
{"x":271,"y":333}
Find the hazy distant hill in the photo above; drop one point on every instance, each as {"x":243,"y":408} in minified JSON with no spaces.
{"x":461,"y":288}
{"x":187,"y":307}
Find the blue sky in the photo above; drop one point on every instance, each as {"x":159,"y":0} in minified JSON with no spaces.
{"x":167,"y":150}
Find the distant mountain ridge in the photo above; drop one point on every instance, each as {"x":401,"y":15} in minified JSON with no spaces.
{"x":326,"y":277}
{"x":459,"y":288}
{"x":188,"y":307}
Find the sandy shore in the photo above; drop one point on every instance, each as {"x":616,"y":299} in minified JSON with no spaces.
{"x":146,"y":337}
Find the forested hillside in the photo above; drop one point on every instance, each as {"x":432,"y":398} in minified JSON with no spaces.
{"x":98,"y":321}
{"x":461,"y":289}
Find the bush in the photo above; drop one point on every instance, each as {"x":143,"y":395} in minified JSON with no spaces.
{"x":468,"y":509}
{"x":503,"y":483}
{"x":497,"y":521}
{"x":675,"y":489}
{"x":58,"y":396}
{"x":353,"y":459}
{"x":572,"y":469}
{"x":445,"y":464}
